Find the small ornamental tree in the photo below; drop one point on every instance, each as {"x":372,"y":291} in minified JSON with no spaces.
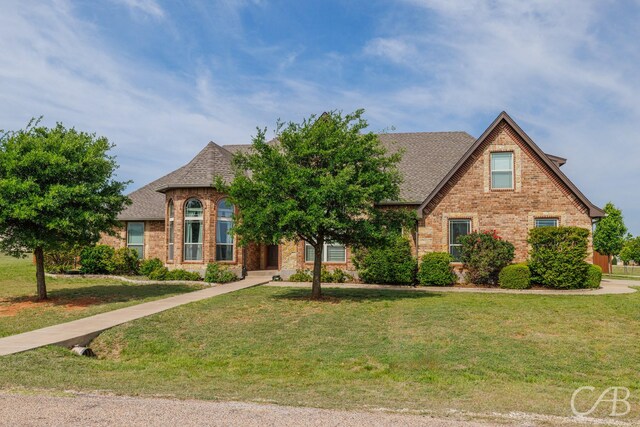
{"x":56,"y":189}
{"x":608,"y":239}
{"x":631,"y":250}
{"x":484,"y":254}
{"x":320,"y":182}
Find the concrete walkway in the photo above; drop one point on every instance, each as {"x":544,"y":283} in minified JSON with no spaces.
{"x":82,"y":331}
{"x":607,"y":287}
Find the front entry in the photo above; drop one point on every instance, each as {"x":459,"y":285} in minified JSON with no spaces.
{"x":272,"y":257}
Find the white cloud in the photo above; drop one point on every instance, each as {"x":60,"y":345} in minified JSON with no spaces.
{"x":147,"y":7}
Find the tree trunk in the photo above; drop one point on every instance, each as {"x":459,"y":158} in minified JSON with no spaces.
{"x":42,"y":287}
{"x":316,"y":291}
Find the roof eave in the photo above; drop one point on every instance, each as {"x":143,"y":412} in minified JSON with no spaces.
{"x":174,"y":186}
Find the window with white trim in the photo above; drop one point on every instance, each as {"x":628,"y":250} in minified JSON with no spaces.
{"x":331,"y":252}
{"x":193,"y":230}
{"x":502,"y":170}
{"x":546,"y":222}
{"x":135,"y":237}
{"x":457,"y":228}
{"x":170,"y":243}
{"x":224,"y":239}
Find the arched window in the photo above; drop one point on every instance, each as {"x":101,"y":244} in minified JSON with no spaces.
{"x":171,"y":232}
{"x":224,"y":239}
{"x":193,"y":230}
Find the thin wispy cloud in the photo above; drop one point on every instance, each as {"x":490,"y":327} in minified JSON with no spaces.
{"x":162,"y":78}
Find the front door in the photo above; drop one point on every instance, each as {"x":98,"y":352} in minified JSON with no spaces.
{"x":272,"y":256}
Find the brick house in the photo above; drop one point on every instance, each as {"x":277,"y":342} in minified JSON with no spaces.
{"x":501,"y":181}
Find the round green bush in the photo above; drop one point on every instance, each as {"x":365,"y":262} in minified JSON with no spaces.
{"x":149,"y":265}
{"x":219,"y":274}
{"x":484,"y":254}
{"x":125,"y":261}
{"x":436,"y":269}
{"x":557,"y":257}
{"x":515,"y":276}
{"x":300,"y":276}
{"x":97,"y":260}
{"x":391,"y":264}
{"x":594,"y":276}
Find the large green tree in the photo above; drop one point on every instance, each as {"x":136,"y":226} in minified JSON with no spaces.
{"x":320,"y":182}
{"x":56,"y":189}
{"x":608,"y":239}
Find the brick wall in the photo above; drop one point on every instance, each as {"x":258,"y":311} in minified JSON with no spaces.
{"x":537,"y":193}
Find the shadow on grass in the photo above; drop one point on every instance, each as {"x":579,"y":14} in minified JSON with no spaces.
{"x":104,"y":294}
{"x":335,"y":295}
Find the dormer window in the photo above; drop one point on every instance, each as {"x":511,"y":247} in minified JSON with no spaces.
{"x":502,"y":171}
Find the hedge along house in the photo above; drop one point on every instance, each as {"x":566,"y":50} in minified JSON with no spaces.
{"x":457,"y":184}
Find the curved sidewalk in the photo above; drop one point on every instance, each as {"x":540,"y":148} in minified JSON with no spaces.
{"x":608,"y":287}
{"x":82,"y":331}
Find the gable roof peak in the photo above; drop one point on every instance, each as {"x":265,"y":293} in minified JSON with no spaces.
{"x":594,"y":211}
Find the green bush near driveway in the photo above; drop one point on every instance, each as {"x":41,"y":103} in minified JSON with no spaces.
{"x":515,"y":276}
{"x":594,"y":277}
{"x":436,"y":269}
{"x":557,"y":257}
{"x":125,"y":261}
{"x":163,"y":273}
{"x":219,"y":274}
{"x":392,"y":264}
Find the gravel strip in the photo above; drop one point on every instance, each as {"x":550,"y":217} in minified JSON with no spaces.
{"x":92,"y":410}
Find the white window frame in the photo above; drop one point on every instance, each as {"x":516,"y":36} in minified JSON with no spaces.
{"x":536,"y":224}
{"x":502,"y":171}
{"x":193,"y":218}
{"x":309,"y":250}
{"x":450,"y":234}
{"x":136,"y":246}
{"x":228,"y":220}
{"x":171,"y":232}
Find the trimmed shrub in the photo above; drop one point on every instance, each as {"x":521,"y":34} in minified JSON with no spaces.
{"x":557,"y":258}
{"x":436,"y":269}
{"x":301,"y":276}
{"x":125,"y":261}
{"x":338,"y":276}
{"x":179,"y":274}
{"x":594,"y":276}
{"x":62,"y":260}
{"x":163,"y":273}
{"x":515,"y":276}
{"x":149,"y":265}
{"x":219,"y":274}
{"x":484,"y":255}
{"x":97,"y":260}
{"x":392,"y":264}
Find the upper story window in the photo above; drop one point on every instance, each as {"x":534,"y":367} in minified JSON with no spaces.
{"x":170,"y":243}
{"x":135,"y":237}
{"x":224,"y":238}
{"x":502,"y":170}
{"x":193,"y":230}
{"x":457,"y":228}
{"x":546,"y":222}
{"x":331,"y":252}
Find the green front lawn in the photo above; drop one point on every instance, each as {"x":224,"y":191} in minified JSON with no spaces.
{"x":69,"y":299}
{"x":361,"y":349}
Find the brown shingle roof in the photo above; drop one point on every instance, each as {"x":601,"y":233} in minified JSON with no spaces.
{"x":148,"y":201}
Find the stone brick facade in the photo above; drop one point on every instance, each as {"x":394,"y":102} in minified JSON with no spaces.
{"x":537,"y":193}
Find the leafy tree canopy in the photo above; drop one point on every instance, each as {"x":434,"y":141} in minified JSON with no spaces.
{"x":56,"y":188}
{"x":631,"y":250}
{"x":608,"y":239}
{"x":320,"y":182}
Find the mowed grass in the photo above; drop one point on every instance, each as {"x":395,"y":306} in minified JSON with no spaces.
{"x":362,"y":349}
{"x":69,"y":299}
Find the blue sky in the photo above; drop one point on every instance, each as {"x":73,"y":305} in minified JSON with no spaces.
{"x":162,"y":78}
